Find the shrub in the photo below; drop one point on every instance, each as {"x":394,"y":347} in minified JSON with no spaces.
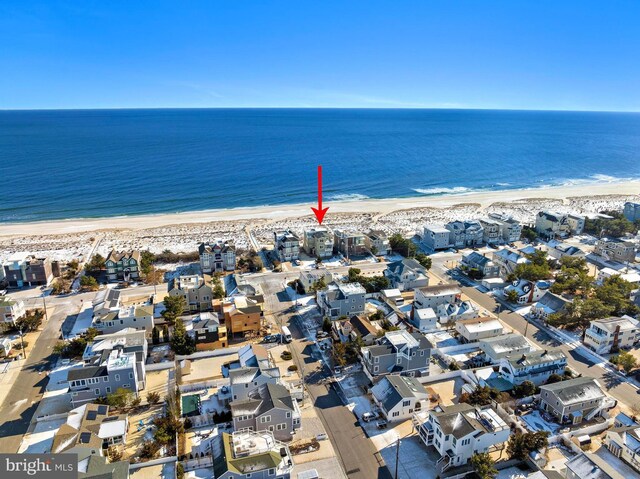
{"x":153,"y":397}
{"x":293,"y":367}
{"x":286,"y":355}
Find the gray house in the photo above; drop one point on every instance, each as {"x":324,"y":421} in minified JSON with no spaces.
{"x":574,"y":400}
{"x":398,"y":352}
{"x":480,"y":262}
{"x":406,"y":274}
{"x":246,"y":380}
{"x":268,"y":408}
{"x":251,"y":455}
{"x":340,"y":299}
{"x":111,"y":361}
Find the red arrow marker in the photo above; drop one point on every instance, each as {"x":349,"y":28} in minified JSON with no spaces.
{"x":319,"y":211}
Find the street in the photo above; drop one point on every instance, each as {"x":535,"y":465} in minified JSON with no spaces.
{"x":356,"y":452}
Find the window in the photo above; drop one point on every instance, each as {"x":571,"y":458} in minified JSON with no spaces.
{"x":288,"y":414}
{"x":265,"y":419}
{"x":108,"y":390}
{"x":105,"y":379}
{"x":130,"y":375}
{"x":395,"y":414}
{"x":406,"y":403}
{"x":117,"y":377}
{"x":272,"y":472}
{"x":96,"y":391}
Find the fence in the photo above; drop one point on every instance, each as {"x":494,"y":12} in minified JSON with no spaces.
{"x":159,"y":366}
{"x":154,"y":462}
{"x":197,"y":463}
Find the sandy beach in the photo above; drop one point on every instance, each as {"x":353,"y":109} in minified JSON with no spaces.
{"x":183,"y":231}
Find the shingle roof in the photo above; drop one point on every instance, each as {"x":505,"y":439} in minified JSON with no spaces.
{"x":575,"y":390}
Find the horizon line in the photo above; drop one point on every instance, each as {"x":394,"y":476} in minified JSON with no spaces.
{"x":116,"y":108}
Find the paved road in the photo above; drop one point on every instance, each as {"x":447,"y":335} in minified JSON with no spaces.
{"x":616,"y":386}
{"x":356,"y":452}
{"x":22,"y":400}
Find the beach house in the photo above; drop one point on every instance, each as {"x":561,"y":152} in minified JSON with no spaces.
{"x":242,"y":314}
{"x":350,"y":244}
{"x":249,"y":454}
{"x":434,"y":296}
{"x":217,"y":256}
{"x":631,"y":211}
{"x":528,"y":291}
{"x":559,"y":250}
{"x":491,"y":229}
{"x":90,"y":425}
{"x":436,"y":237}
{"x":399,"y":397}
{"x":623,"y":441}
{"x":550,"y":225}
{"x":475,"y":261}
{"x":196,"y":290}
{"x":549,"y":304}
{"x":609,"y":335}
{"x":475,"y":329}
{"x":615,"y":249}
{"x":123,"y":266}
{"x":377,"y":242}
{"x":208,"y":333}
{"x":507,"y":260}
{"x":111,"y":316}
{"x":586,"y":465}
{"x":25,"y":270}
{"x":534,"y":366}
{"x":510,"y":228}
{"x":459,"y":431}
{"x":11,"y":310}
{"x":498,"y":347}
{"x":574,"y":400}
{"x":397,"y":352}
{"x":269,"y":407}
{"x":287,"y":245}
{"x":309,"y":277}
{"x":317,"y":242}
{"x":341,"y":299}
{"x":406,"y":274}
{"x":465,"y":234}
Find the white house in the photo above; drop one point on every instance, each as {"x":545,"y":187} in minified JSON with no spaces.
{"x":287,"y":245}
{"x":459,"y":431}
{"x":398,"y":397}
{"x":608,"y":335}
{"x":549,"y":304}
{"x":534,"y":366}
{"x":11,"y":310}
{"x":624,"y":443}
{"x":628,"y":274}
{"x":528,"y":291}
{"x":475,"y":329}
{"x":425,"y":319}
{"x":436,"y":237}
{"x":507,"y":260}
{"x":510,"y":228}
{"x":434,"y":296}
{"x":498,"y":347}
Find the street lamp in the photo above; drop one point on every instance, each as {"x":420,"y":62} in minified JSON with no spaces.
{"x":397,"y":455}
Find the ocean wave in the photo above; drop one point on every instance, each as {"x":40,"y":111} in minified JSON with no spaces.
{"x":442,"y":190}
{"x":347,"y":197}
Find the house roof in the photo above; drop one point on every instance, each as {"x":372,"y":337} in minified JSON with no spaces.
{"x":610,"y":324}
{"x":533,"y":358}
{"x":120,"y":255}
{"x":477,"y":325}
{"x":477,"y":258}
{"x":398,"y":267}
{"x":267,"y":397}
{"x":86,"y":372}
{"x":591,"y":466}
{"x":552,"y":302}
{"x":439,"y":290}
{"x":245,"y":462}
{"x":460,"y":420}
{"x":575,"y":390}
{"x":363,"y":326}
{"x":504,"y":343}
{"x":394,"y":388}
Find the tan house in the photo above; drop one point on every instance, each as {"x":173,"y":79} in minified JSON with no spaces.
{"x":242,"y":315}
{"x":196,"y":290}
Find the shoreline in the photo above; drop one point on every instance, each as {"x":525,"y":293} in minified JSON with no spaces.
{"x":280,"y":212}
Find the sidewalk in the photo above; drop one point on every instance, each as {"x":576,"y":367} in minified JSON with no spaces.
{"x":8,"y":374}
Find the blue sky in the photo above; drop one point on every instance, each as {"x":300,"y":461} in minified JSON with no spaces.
{"x":566,"y":55}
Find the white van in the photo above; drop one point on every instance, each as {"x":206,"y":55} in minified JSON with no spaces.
{"x":286,"y":334}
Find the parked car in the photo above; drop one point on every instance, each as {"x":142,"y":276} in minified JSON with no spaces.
{"x":322,"y":334}
{"x":369,"y":416}
{"x":337,"y":370}
{"x":382,"y":424}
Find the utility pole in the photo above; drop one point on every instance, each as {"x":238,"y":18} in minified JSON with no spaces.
{"x":397,"y":456}
{"x":44,"y":302}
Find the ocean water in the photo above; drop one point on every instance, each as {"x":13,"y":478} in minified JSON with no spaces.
{"x":94,"y":163}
